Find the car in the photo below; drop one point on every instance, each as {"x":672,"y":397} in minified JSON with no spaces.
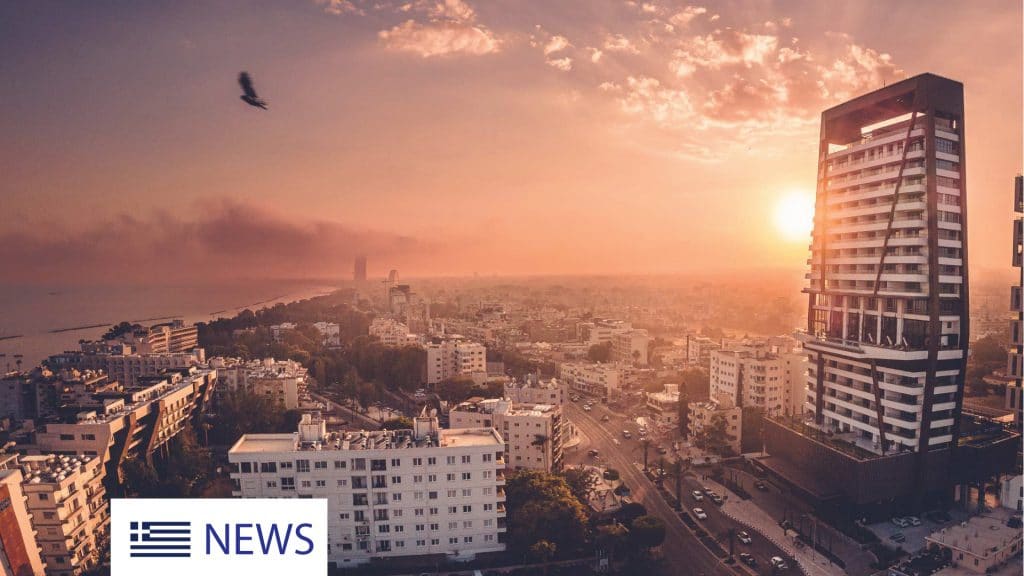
{"x":626,"y":434}
{"x":760,"y":485}
{"x":744,"y":537}
{"x":662,"y":450}
{"x":900,"y":521}
{"x":913,"y":520}
{"x":700,"y":514}
{"x":605,"y":418}
{"x":586,"y":407}
{"x":748,"y":559}
{"x":778,"y":563}
{"x":593,"y":453}
{"x":697,"y":495}
{"x":898,"y":537}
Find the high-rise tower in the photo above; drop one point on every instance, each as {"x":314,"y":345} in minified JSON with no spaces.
{"x":359,"y":269}
{"x":887,"y":299}
{"x":887,"y":312}
{"x":1015,"y":358}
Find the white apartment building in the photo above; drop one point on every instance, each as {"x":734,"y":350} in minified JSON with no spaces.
{"x":392,"y":333}
{"x":699,"y":349}
{"x":601,"y":331}
{"x":282,"y":381}
{"x":422,"y":492}
{"x":453,"y":357}
{"x":702,"y":414}
{"x":532,"y":432}
{"x":69,"y":508}
{"x":19,"y":552}
{"x":664,"y":406}
{"x":794,"y":366}
{"x":534,"y":390}
{"x":603,"y":380}
{"x":750,"y":375}
{"x":630,"y":346}
{"x":123,"y":364}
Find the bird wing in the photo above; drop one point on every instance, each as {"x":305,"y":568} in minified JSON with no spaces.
{"x":246,"y":83}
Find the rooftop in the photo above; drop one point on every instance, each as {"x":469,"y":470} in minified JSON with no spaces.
{"x":51,"y":469}
{"x":367,"y":440}
{"x":980,"y":536}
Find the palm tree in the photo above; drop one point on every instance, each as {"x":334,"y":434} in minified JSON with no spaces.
{"x":645,"y":444}
{"x":677,"y":469}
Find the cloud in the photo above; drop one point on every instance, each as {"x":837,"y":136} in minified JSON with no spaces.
{"x":226,"y":240}
{"x":563,"y":64}
{"x":595,"y":55}
{"x":340,"y":7}
{"x":619,"y":43}
{"x":439,"y":39}
{"x":686,"y":15}
{"x":722,"y":48}
{"x":556,"y":44}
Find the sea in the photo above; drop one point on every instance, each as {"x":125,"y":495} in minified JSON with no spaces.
{"x":39,"y":320}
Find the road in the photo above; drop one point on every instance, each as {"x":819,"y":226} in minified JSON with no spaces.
{"x":684,"y":553}
{"x":681,"y":548}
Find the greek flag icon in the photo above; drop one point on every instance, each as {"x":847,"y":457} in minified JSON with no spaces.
{"x":160,"y":539}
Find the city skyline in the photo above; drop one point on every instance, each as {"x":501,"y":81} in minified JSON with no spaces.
{"x":460,"y":137}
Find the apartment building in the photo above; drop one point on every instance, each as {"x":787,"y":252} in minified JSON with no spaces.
{"x":19,"y":552}
{"x":130,"y":423}
{"x":699,"y":349}
{"x":426,"y":492}
{"x":1015,"y":356}
{"x":887,"y":309}
{"x":123,"y":364}
{"x":174,"y":336}
{"x":700,"y":415}
{"x":282,"y":381}
{"x":663,"y":407}
{"x":630,"y":346}
{"x":533,"y":433}
{"x":750,"y":375}
{"x":392,"y":333}
{"x":535,"y":390}
{"x":69,"y":508}
{"x":604,"y":380}
{"x":453,"y":356}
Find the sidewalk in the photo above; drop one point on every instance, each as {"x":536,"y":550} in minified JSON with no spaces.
{"x":749,"y":514}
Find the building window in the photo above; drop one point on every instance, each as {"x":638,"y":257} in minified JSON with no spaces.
{"x":302,"y":465}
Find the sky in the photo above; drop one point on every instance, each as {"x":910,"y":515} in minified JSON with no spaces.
{"x":453,"y":137}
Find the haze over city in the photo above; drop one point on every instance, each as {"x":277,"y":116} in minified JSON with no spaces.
{"x":454,"y":137}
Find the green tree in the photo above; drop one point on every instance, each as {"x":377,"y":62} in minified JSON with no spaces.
{"x":647,"y":532}
{"x":455,"y":389}
{"x":542,"y":551}
{"x":612,"y":538}
{"x":541,"y":506}
{"x":581,"y":481}
{"x":714,"y":437}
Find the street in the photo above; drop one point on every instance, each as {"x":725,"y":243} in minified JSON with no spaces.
{"x":681,"y":548}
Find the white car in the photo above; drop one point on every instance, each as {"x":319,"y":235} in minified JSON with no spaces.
{"x":700,"y":514}
{"x":743,"y":537}
{"x":778,"y":563}
{"x":697,"y":495}
{"x":586,"y":408}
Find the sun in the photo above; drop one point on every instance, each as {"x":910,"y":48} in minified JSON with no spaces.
{"x":794,"y":216}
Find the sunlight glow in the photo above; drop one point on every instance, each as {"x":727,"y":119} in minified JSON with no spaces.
{"x":794,"y":216}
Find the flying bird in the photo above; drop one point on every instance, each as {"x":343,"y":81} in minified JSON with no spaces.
{"x":250,"y":96}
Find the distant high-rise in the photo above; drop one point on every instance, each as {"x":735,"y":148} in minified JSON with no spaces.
{"x":1015,"y":358}
{"x":887,"y":310}
{"x":359,"y":272}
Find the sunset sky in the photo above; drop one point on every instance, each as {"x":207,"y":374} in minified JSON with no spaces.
{"x":460,"y":136}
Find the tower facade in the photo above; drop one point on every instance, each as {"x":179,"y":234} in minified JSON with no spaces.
{"x":887,"y":328}
{"x":1015,"y":358}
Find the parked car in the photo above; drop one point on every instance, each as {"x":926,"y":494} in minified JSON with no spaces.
{"x":778,"y":563}
{"x":586,"y":407}
{"x":760,"y":485}
{"x":593,"y":453}
{"x":715,"y":498}
{"x":898,"y":537}
{"x":700,"y":514}
{"x":900,"y":521}
{"x":913,"y":520}
{"x":626,"y":434}
{"x":748,"y":559}
{"x":744,"y":537}
{"x":662,"y":450}
{"x":605,"y":418}
{"x":698,"y":495}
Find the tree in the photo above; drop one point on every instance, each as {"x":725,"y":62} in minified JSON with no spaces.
{"x":630,"y":512}
{"x":542,"y":507}
{"x":612,"y":539}
{"x":455,"y":389}
{"x":611,"y":474}
{"x":600,"y":352}
{"x":645,"y":445}
{"x":542,"y":551}
{"x":397,"y":423}
{"x":647,"y":532}
{"x":241,"y":412}
{"x":581,"y":482}
{"x":714,"y":436}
